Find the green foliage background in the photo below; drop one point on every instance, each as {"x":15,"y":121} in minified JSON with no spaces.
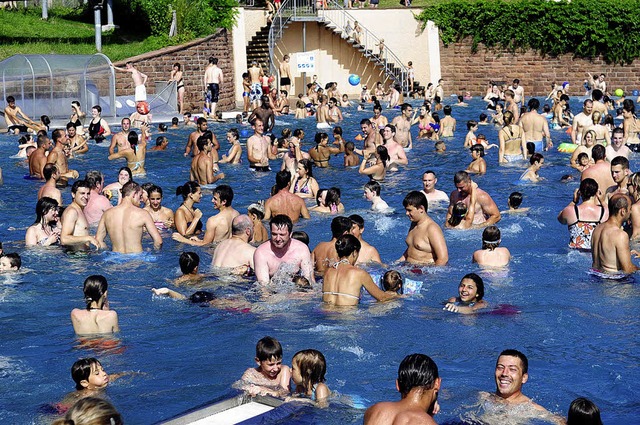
{"x":584,"y":28}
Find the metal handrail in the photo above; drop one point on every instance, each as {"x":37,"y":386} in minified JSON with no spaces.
{"x":289,"y":10}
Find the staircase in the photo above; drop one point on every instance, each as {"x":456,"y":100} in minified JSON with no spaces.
{"x":338,"y":20}
{"x":258,"y":49}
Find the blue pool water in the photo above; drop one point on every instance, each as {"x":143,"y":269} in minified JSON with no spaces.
{"x":580,"y":333}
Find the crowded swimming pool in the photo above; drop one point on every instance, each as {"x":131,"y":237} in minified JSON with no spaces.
{"x":579,"y":332}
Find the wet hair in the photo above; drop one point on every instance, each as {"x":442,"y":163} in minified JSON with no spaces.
{"x":536,"y":157}
{"x":357,"y":220}
{"x":201,"y":297}
{"x":365,"y":121}
{"x":189,"y":261}
{"x":337,"y":131}
{"x":347,"y":245}
{"x":416,"y":371}
{"x":588,"y":188}
{"x":583,"y":412}
{"x":620,"y":160}
{"x":582,"y":156}
{"x":349,"y":146}
{"x":162,"y":127}
{"x":130,"y":188}
{"x":283,"y":178}
{"x":312,"y":366}
{"x":298,"y":132}
{"x":234,"y":132}
{"x":281,"y":220}
{"x":596,"y":116}
{"x":14,"y":260}
{"x":508,"y":118}
{"x":301,"y":236}
{"x":80,"y":183}
{"x":515,"y":199}
{"x":268,"y":348}
{"x":187,"y":189}
{"x":302,"y":283}
{"x":383,"y":153}
{"x":150,"y":188}
{"x":57,"y":134}
{"x":319,"y":196}
{"x":593,"y":136}
{"x":461,"y":176}
{"x":598,"y":152}
{"x":373,"y":186}
{"x":477,"y":280}
{"x":44,"y":205}
{"x":93,"y":178}
{"x":333,"y":197}
{"x":175,"y":121}
{"x":478,"y":148}
{"x":11,"y":99}
{"x":483,"y":117}
{"x":617,"y":130}
{"x":91,"y":411}
{"x":392,"y":281}
{"x":447,"y":110}
{"x":308,"y":166}
{"x":128,"y":170}
{"x":391,"y":127}
{"x":491,"y":238}
{"x":616,"y":203}
{"x":94,"y":288}
{"x":320,"y":137}
{"x":81,"y":370}
{"x":533,"y":104}
{"x":416,"y":199}
{"x":340,"y":225}
{"x":160,"y":140}
{"x":471,"y":124}
{"x":458,"y":212}
{"x":201,"y":120}
{"x":225,"y":192}
{"x":515,"y":353}
{"x":48,"y":170}
{"x":202,"y":142}
{"x":258,"y":213}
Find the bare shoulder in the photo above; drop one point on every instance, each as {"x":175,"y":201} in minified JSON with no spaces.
{"x":413,"y":417}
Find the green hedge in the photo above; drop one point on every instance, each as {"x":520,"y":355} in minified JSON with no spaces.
{"x":584,"y":28}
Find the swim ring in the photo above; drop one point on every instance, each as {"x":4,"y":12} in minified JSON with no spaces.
{"x":567,"y":147}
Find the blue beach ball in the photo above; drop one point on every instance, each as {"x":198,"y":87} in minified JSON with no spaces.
{"x":354,"y":79}
{"x":635,"y":92}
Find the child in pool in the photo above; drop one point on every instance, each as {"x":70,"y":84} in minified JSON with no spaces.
{"x":470,"y":294}
{"x":372,"y":194}
{"x":478,"y":165}
{"x":583,"y":162}
{"x":308,"y":368}
{"x":583,"y":412}
{"x":470,"y":138}
{"x":531,"y":174}
{"x":189,"y":264}
{"x":256,"y":214}
{"x":513,"y":202}
{"x":270,"y":377}
{"x":10,"y":262}
{"x":90,"y":379}
{"x":491,"y":254}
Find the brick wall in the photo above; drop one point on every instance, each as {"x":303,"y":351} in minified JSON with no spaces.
{"x":193,"y":56}
{"x":463,"y":70}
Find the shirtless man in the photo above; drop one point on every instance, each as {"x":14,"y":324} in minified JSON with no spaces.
{"x":285,"y":74}
{"x":486,"y":210}
{"x":535,"y":127}
{"x":49,"y":189}
{"x":429,"y":181}
{"x":281,"y":250}
{"x":447,"y":124}
{"x":394,"y":96}
{"x":120,"y":139}
{"x":213,"y":79}
{"x":418,"y":383}
{"x":511,"y":373}
{"x":75,"y":228}
{"x":597,"y":95}
{"x":598,"y":83}
{"x":403,"y":126}
{"x":98,"y":203}
{"x":324,"y":255}
{"x":219,"y":225}
{"x":259,"y":148}
{"x":395,"y":150}
{"x":620,"y":173}
{"x":511,"y":105}
{"x":194,"y":136}
{"x":425,"y":240}
{"x":78,"y":143}
{"x":58,"y":157}
{"x":236,"y":253}
{"x":322,"y":113}
{"x":264,"y":112}
{"x":38,"y":158}
{"x":372,"y":138}
{"x":609,"y":243}
{"x":255,"y":74}
{"x":139,"y":81}
{"x":439,"y":90}
{"x":601,"y":170}
{"x":285,"y":202}
{"x":518,"y":93}
{"x":368,"y":253}
{"x":202,"y":167}
{"x":125,"y":223}
{"x":581,"y":121}
{"x":17,"y":121}
{"x":617,"y":146}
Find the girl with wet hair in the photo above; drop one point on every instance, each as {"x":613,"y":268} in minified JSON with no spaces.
{"x":491,"y":254}
{"x":96,"y":318}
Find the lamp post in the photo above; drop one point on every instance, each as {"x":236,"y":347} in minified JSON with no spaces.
{"x":97,"y":9}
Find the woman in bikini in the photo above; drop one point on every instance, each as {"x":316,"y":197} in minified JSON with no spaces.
{"x":379,"y":120}
{"x":135,"y":155}
{"x":176,"y":75}
{"x":187,"y":217}
{"x":378,"y":170}
{"x":96,"y":318}
{"x":304,"y":184}
{"x":234,"y":156}
{"x":343,"y":281}
{"x":630,"y":125}
{"x":45,"y":230}
{"x":162,"y":216}
{"x":322,"y":152}
{"x":512,"y":145}
{"x":601,"y":132}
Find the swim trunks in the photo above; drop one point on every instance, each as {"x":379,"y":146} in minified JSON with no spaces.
{"x":20,"y":127}
{"x":256,"y":92}
{"x":141,"y":93}
{"x":259,"y":168}
{"x":214,"y":89}
{"x":323,"y":125}
{"x":285,"y":81}
{"x":513,"y":158}
{"x":538,"y":144}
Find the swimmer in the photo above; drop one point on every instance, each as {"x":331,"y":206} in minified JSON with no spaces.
{"x":45,"y":230}
{"x":270,"y":377}
{"x":513,"y":203}
{"x":202,"y":165}
{"x":97,"y":318}
{"x":321,"y":153}
{"x":368,"y":253}
{"x":161,"y":143}
{"x":462,"y":215}
{"x":38,"y":158}
{"x":52,"y":176}
{"x":512,"y":143}
{"x":470,"y":294}
{"x":324,"y":255}
{"x":350,"y":158}
{"x":447,"y":124}
{"x":189,"y":263}
{"x":10,"y":262}
{"x":91,"y":410}
{"x":90,"y":379}
{"x":343,"y":281}
{"x":620,"y":173}
{"x":402,"y":125}
{"x":285,"y":202}
{"x":75,"y":227}
{"x":581,"y":121}
{"x":425,"y":240}
{"x":120,"y":139}
{"x":258,"y":148}
{"x":372,"y":194}
{"x":429,"y":181}
{"x":600,"y":171}
{"x":256,"y":214}
{"x":202,"y":127}
{"x":535,"y":127}
{"x":470,"y":138}
{"x":418,"y":383}
{"x":98,"y":203}
{"x":531,"y":173}
{"x":491,"y":254}
{"x":234,"y":156}
{"x":583,"y":412}
{"x":486,"y":210}
{"x":308,"y":368}
{"x":397,"y":156}
{"x":589,"y":140}
{"x":478,"y":165}
{"x":162,"y":216}
{"x":617,"y":146}
{"x":236,"y":253}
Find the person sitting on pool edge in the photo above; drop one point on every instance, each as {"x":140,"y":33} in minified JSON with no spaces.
{"x":418,"y":383}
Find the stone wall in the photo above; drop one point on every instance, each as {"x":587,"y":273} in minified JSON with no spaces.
{"x":193,"y":57}
{"x":462,"y":70}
